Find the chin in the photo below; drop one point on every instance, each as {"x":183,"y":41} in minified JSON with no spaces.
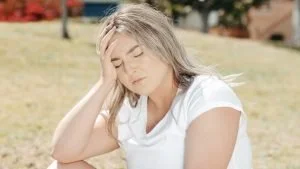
{"x":143,"y":93}
{"x":142,"y":90}
{"x":145,"y":88}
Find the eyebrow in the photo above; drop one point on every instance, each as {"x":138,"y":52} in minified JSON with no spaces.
{"x":128,"y":52}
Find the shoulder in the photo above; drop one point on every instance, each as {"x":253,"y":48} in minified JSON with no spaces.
{"x":208,"y":92}
{"x":208,"y":88}
{"x":207,"y":83}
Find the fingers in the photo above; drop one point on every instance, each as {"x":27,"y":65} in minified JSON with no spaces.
{"x":106,"y":29}
{"x":109,"y":50}
{"x":105,"y":40}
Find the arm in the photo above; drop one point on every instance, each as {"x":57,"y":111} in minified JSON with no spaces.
{"x":78,"y":130}
{"x":77,"y":136}
{"x":211,"y":138}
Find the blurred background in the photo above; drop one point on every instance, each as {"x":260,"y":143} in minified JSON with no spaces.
{"x":48,"y":62}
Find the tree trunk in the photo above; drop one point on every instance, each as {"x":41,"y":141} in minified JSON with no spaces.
{"x":296,"y":17}
{"x":64,"y":18}
{"x":175,"y":17}
{"x":151,"y":2}
{"x":204,"y":18}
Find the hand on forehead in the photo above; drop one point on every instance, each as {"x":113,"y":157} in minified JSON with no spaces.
{"x":123,"y":42}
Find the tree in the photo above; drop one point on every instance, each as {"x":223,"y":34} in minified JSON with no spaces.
{"x":204,"y":7}
{"x":64,"y":18}
{"x":162,"y":5}
{"x":232,"y":10}
{"x":296,"y":23}
{"x":234,"y":13}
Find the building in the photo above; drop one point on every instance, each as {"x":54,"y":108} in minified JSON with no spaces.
{"x":272,"y":21}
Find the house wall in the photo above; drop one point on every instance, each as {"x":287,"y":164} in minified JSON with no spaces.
{"x":274,"y":18}
{"x":193,"y":20}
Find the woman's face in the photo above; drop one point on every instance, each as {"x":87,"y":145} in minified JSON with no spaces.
{"x":138,"y":69}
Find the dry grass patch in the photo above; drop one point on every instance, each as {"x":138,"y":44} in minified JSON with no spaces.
{"x":42,"y":77}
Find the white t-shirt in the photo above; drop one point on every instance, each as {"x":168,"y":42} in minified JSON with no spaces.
{"x":163,"y":146}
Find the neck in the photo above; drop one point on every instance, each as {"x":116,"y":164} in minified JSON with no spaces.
{"x":162,"y":97}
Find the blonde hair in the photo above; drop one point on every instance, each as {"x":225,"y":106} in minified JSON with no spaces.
{"x":153,"y":29}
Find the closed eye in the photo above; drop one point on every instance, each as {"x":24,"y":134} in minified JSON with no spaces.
{"x":116,"y":62}
{"x":138,"y":55}
{"x":118,"y":66}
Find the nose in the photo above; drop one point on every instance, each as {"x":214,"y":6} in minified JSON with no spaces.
{"x":130,"y":67}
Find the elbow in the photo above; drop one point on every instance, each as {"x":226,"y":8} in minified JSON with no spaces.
{"x":57,"y":156}
{"x":64,"y":154}
{"x":61,"y":157}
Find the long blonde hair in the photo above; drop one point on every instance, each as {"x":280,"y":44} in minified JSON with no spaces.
{"x":153,"y":29}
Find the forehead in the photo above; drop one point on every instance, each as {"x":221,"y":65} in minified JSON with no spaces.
{"x":122,"y":39}
{"x":124,"y":43}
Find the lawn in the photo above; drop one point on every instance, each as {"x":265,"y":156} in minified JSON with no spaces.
{"x":43,"y":76}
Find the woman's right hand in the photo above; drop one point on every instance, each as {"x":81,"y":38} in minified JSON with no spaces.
{"x":109,"y":74}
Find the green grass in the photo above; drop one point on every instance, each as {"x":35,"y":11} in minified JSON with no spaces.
{"x":42,"y":77}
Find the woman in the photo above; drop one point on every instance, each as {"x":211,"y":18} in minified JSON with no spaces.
{"x":162,"y":109}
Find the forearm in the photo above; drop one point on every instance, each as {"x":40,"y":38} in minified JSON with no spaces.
{"x":74,"y":130}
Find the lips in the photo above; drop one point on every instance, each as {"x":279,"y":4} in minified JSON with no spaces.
{"x":137,"y":80}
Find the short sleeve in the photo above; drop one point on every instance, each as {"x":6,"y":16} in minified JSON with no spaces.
{"x":208,"y":92}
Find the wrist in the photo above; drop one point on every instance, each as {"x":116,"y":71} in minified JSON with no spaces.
{"x":108,"y":84}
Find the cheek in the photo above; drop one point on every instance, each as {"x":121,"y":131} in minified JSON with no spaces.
{"x":160,"y":68}
{"x":123,"y":78}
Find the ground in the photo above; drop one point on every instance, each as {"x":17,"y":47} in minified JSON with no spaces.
{"x":42,"y":77}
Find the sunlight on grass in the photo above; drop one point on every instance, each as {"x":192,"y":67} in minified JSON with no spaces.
{"x":44,"y":76}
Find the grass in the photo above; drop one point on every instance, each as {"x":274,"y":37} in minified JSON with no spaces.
{"x":42,"y":77}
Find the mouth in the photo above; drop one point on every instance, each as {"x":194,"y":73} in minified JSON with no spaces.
{"x":138,"y":80}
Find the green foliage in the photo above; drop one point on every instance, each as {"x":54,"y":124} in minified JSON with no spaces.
{"x":232,"y":12}
{"x":162,"y":5}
